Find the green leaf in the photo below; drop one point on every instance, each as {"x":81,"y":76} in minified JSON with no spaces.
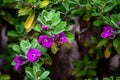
{"x":20,"y":28}
{"x":109,"y":7}
{"x":117,"y":78}
{"x":69,"y":35}
{"x":34,"y":43}
{"x":95,"y":14}
{"x":86,"y":17}
{"x":12,"y":33}
{"x":66,"y":4}
{"x":102,"y":42}
{"x":41,"y":18}
{"x":67,"y":44}
{"x":78,"y":63}
{"x":118,"y":50}
{"x":16,"y":48}
{"x":83,"y":3}
{"x":114,"y":24}
{"x":75,"y":71}
{"x":83,"y":72}
{"x":47,"y":60}
{"x":29,"y":73}
{"x":8,"y":1}
{"x":44,"y":75}
{"x":25,"y":45}
{"x":97,"y":23}
{"x":12,"y":63}
{"x":36,"y":68}
{"x":5,"y":77}
{"x":93,"y":64}
{"x":8,"y":17}
{"x":107,"y":20}
{"x":92,"y":72}
{"x":56,"y":19}
{"x":106,"y":78}
{"x":60,"y":27}
{"x":44,"y":3}
{"x":37,"y":28}
{"x":85,"y":60}
{"x":116,"y":42}
{"x":42,"y":49}
{"x":29,"y":22}
{"x":24,"y":11}
{"x":54,"y":48}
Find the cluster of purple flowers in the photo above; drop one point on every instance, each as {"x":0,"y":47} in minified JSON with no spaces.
{"x":18,"y":60}
{"x":108,"y":31}
{"x":32,"y":55}
{"x":60,"y":38}
{"x":46,"y":41}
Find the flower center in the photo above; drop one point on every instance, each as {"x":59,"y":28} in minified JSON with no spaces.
{"x":33,"y":55}
{"x":108,"y":31}
{"x":45,"y":40}
{"x":59,"y":41}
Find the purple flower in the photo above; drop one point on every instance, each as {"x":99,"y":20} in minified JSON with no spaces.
{"x":118,"y":23}
{"x":44,"y":27}
{"x":107,"y":32}
{"x":60,"y":38}
{"x":33,"y":55}
{"x":17,"y":66}
{"x":45,"y":41}
{"x":18,"y":60}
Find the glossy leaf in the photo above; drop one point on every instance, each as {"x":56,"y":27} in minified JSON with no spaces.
{"x":24,"y":11}
{"x":109,"y":7}
{"x":75,"y":71}
{"x":78,"y":63}
{"x":36,"y":68}
{"x":42,"y":49}
{"x":8,"y":17}
{"x":54,"y":48}
{"x":29,"y":73}
{"x":67,"y":44}
{"x":116,"y":42}
{"x":25,"y":45}
{"x":16,"y":48}
{"x":44,"y":75}
{"x":20,"y":28}
{"x":86,"y":17}
{"x":107,"y":52}
{"x":60,"y":27}
{"x":69,"y":36}
{"x":12,"y":33}
{"x":47,"y":60}
{"x":44,"y":3}
{"x":5,"y":77}
{"x":34,"y":43}
{"x":97,"y":22}
{"x":102,"y":42}
{"x":83,"y":72}
{"x":29,"y":29}
{"x":92,"y":72}
{"x":29,"y":21}
{"x":37,"y":28}
{"x":114,"y":24}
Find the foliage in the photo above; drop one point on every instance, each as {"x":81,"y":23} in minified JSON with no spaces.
{"x":28,"y":16}
{"x":84,"y":67}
